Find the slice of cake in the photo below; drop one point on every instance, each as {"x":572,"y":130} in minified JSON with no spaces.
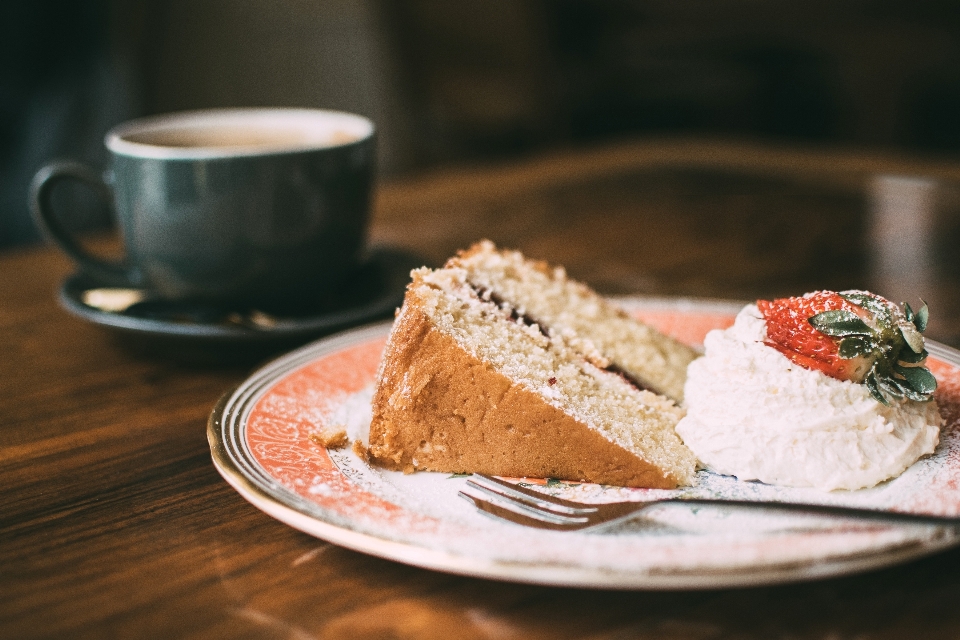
{"x":544,"y":295}
{"x":501,"y":365}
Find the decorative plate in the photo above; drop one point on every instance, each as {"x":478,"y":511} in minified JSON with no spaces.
{"x":260,"y":439}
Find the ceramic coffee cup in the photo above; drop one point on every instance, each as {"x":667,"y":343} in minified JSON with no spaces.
{"x":263,"y":208}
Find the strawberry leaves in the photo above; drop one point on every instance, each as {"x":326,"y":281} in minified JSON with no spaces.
{"x":920,"y":318}
{"x":908,"y":357}
{"x":891,"y":339}
{"x":856,"y":347}
{"x":840,"y":323}
{"x":919,"y":378}
{"x":911,"y":336}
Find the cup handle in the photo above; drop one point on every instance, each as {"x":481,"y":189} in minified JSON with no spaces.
{"x":41,"y":189}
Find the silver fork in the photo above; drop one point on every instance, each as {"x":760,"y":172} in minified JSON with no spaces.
{"x":508,"y":501}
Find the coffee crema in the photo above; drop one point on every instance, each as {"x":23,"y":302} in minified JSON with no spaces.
{"x":234,"y":133}
{"x":214,"y":136}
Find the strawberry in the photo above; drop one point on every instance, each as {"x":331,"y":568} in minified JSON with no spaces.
{"x":856,"y":336}
{"x":789,"y":331}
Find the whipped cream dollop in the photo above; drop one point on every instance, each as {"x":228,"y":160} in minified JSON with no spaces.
{"x":754,"y":414}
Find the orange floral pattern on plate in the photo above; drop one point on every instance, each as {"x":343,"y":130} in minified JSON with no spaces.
{"x":303,"y":401}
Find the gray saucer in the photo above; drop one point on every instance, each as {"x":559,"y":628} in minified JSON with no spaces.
{"x":372,"y":293}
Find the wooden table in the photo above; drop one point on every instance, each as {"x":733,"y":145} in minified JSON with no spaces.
{"x":114,"y":523}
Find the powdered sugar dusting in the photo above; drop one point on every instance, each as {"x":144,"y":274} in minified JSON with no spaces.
{"x":423,"y":511}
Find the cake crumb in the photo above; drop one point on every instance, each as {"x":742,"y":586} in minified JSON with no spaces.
{"x":362,"y":452}
{"x":332,"y":438}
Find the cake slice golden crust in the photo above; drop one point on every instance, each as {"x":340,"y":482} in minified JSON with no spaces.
{"x":466,"y":386}
{"x":439,"y":408}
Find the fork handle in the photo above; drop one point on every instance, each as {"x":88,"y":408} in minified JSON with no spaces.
{"x":824,"y":509}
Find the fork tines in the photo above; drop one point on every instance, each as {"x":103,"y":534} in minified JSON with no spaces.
{"x":521,"y":505}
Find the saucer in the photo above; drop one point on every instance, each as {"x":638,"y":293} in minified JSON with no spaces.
{"x":373,"y":292}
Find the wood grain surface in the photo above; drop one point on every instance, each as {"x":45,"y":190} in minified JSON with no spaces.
{"x":114,"y":523}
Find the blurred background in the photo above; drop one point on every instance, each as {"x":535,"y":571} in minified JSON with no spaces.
{"x":479,"y":81}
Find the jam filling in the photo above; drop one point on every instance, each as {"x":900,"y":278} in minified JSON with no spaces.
{"x":490,"y":296}
{"x":641,"y":385}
